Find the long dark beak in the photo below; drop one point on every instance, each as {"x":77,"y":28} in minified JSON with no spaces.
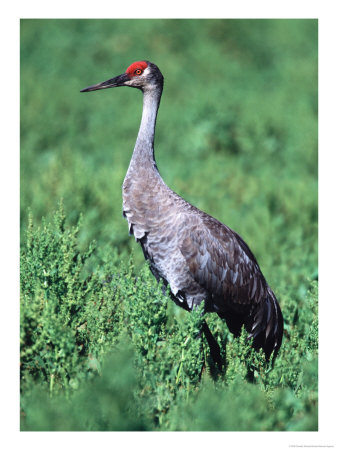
{"x":113,"y":82}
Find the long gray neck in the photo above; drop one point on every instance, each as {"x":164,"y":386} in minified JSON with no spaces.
{"x":143,"y":155}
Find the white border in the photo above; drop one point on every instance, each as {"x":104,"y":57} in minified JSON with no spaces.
{"x":10,"y":218}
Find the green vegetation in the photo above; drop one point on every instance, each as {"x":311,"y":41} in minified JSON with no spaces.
{"x":102,"y":345}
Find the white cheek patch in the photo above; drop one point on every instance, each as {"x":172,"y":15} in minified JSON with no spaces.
{"x":137,"y":80}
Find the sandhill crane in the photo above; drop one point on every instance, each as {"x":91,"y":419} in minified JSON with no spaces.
{"x":199,"y":257}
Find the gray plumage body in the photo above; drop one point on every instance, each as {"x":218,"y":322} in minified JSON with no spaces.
{"x":196,"y":255}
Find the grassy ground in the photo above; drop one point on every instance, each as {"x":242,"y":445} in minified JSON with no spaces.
{"x":237,"y":137}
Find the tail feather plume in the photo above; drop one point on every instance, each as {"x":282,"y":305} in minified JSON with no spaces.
{"x":264,"y":324}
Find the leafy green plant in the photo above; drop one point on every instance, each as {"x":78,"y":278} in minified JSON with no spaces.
{"x":72,"y":320}
{"x":105,"y":402}
{"x":65,"y":313}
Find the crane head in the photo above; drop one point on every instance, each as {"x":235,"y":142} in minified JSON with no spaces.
{"x":142,"y":75}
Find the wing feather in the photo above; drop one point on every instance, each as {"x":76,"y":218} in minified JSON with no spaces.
{"x":222,"y":263}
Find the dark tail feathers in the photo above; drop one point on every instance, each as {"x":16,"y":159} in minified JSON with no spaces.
{"x":264,"y":325}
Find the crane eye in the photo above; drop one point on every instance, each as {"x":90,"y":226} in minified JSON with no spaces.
{"x":138,"y":72}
